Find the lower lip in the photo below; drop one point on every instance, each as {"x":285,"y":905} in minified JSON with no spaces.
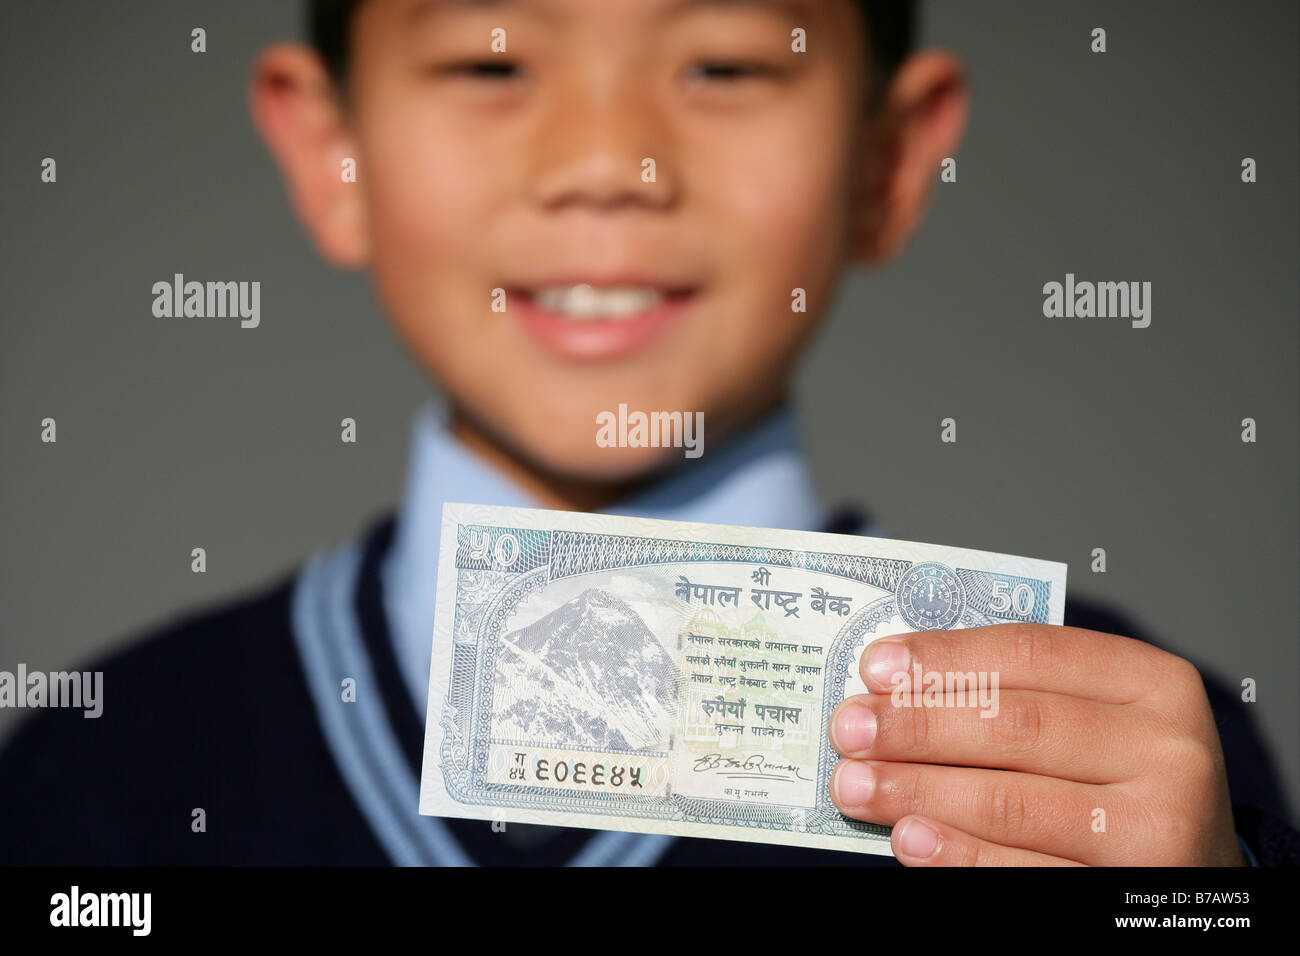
{"x":599,"y":338}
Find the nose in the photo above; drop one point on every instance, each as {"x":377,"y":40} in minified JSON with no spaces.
{"x":593,"y":143}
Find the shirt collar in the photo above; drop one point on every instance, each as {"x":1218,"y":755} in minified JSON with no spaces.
{"x":759,"y":478}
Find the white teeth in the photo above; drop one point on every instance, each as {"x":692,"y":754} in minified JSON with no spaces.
{"x":585,"y":304}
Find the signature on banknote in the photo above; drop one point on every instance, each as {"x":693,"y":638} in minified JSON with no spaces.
{"x":750,"y":766}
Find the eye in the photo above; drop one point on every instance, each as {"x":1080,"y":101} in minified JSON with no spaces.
{"x":730,"y":71}
{"x":482,"y":69}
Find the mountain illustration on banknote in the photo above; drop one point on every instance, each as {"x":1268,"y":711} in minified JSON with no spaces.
{"x":589,"y":674}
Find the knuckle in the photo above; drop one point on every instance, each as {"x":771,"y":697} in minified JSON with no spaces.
{"x":1195,"y":761}
{"x":1019,"y":724}
{"x":1006,"y":809}
{"x":910,"y":730}
{"x":914,"y":791}
{"x":922,"y":729}
{"x":1173,"y":831}
{"x":935,"y":650}
{"x":1034,"y":648}
{"x":1183,"y":677}
{"x":965,"y":853}
{"x":1186,"y":737}
{"x":923,"y":648}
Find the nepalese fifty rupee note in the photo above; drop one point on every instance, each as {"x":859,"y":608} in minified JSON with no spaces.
{"x":671,"y":677}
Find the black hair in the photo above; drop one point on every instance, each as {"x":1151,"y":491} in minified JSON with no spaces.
{"x":890,"y":26}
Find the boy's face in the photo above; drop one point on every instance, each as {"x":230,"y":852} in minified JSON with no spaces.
{"x":523,"y":170}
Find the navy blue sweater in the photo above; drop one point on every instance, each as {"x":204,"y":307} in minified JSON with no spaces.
{"x":214,"y":712}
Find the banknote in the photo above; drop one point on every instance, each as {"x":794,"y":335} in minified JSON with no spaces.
{"x":671,"y":677}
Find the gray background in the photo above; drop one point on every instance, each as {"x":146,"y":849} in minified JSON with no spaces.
{"x":1073,"y":433}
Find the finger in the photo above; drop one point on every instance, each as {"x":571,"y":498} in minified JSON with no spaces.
{"x":1061,"y":660}
{"x":1004,"y":807}
{"x":1035,"y":732}
{"x":918,"y":841}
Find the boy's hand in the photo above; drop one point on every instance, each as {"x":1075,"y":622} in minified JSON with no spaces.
{"x":1102,"y":751}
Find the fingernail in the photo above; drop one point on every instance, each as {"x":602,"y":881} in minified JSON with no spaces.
{"x":854,"y":783}
{"x":853,"y":729}
{"x":918,"y":839}
{"x":885,"y":659}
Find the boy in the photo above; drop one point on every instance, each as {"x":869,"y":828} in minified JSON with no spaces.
{"x":516,"y":176}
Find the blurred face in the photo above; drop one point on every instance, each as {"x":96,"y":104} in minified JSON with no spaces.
{"x":616,"y":209}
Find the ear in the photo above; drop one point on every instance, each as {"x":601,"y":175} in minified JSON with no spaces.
{"x":920,"y":122}
{"x":299,"y":116}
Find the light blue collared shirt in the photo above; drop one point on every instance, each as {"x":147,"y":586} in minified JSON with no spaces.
{"x":758,"y":478}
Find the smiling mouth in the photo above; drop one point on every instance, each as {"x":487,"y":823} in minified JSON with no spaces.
{"x":588,"y":321}
{"x":587,"y":303}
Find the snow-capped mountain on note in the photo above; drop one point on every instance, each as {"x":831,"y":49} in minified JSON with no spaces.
{"x":590,"y":673}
